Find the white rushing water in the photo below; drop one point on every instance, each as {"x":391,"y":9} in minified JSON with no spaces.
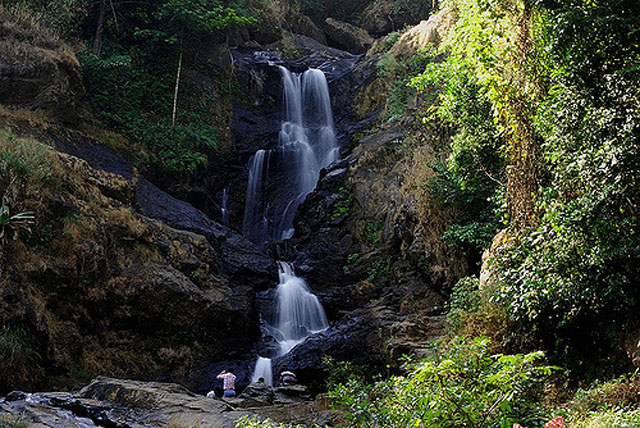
{"x":299,"y":314}
{"x":307,"y":143}
{"x":224,"y":206}
{"x":263,"y":370}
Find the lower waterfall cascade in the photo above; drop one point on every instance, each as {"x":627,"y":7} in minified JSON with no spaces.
{"x":299,"y":314}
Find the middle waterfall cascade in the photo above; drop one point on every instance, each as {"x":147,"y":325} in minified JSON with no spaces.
{"x":224,"y":207}
{"x":307,"y":143}
{"x":299,"y":315}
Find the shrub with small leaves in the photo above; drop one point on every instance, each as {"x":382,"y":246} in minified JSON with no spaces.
{"x":461,"y":384}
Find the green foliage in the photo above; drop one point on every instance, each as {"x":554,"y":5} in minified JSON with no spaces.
{"x":379,"y":268}
{"x":345,"y":205}
{"x":615,"y":403}
{"x":573,"y":278}
{"x":397,"y":76}
{"x":6,"y":422}
{"x":465,"y":298}
{"x":200,"y":17}
{"x":391,"y":40}
{"x":13,"y":224}
{"x":471,"y":179}
{"x":248,"y":421}
{"x":524,"y":79}
{"x":612,"y":417}
{"x":65,"y":17}
{"x":459,"y":385}
{"x":319,"y":10}
{"x":22,"y":159}
{"x":341,"y":372}
{"x":136,"y":98}
{"x":372,"y":231}
{"x":350,"y":261}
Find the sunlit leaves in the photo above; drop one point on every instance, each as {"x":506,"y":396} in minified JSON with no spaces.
{"x":461,"y":384}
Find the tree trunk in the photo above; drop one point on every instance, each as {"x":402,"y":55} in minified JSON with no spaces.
{"x":175,"y":92}
{"x":97,"y":43}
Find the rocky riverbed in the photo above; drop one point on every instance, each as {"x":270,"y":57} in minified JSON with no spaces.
{"x":114,"y":403}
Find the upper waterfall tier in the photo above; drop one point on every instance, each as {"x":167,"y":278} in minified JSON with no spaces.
{"x":307,"y":143}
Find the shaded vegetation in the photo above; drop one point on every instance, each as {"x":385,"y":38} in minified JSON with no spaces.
{"x":547,"y":120}
{"x":17,"y":357}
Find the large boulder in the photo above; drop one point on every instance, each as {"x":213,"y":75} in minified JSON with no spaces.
{"x":357,"y":338}
{"x":281,"y":16}
{"x":384,"y":16}
{"x":347,"y":37}
{"x":427,"y":33}
{"x":37,"y":71}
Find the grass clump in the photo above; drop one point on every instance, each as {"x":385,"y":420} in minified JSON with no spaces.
{"x":25,"y":160}
{"x":12,"y":423}
{"x":18,"y":358}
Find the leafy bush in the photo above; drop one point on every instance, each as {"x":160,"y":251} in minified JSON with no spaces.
{"x":397,"y":76}
{"x":13,"y":224}
{"x":379,"y":268}
{"x":136,"y":98}
{"x":465,"y":298}
{"x":372,"y":231}
{"x":341,"y":372}
{"x":472,"y":178}
{"x":459,"y":385}
{"x":247,"y":421}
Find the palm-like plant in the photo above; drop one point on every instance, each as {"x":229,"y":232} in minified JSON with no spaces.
{"x":12,"y":224}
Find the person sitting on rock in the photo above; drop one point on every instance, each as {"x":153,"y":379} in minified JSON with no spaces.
{"x":228,"y":383}
{"x":288,"y":378}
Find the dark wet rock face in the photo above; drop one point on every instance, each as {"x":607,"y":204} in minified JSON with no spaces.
{"x":354,"y":338}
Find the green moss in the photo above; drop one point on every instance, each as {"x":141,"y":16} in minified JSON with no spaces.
{"x":379,"y":268}
{"x":344,"y":206}
{"x":372,"y":231}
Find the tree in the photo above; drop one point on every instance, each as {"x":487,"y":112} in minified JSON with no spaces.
{"x":185,"y":20}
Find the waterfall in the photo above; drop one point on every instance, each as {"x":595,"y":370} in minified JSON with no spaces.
{"x":255,"y":221}
{"x":224,"y":206}
{"x":299,"y":315}
{"x":263,"y":370}
{"x":306,"y":144}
